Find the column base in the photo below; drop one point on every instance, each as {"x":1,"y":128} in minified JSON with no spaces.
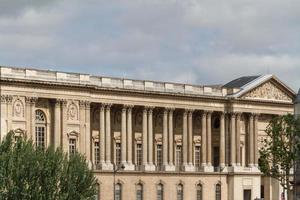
{"x":207,"y":168}
{"x":189,"y":167}
{"x":149,"y":167}
{"x":169,"y":168}
{"x":129,"y":166}
{"x":107,"y":166}
{"x":235,"y":168}
{"x":255,"y":169}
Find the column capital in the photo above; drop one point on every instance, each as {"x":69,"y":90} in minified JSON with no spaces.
{"x":6,"y":98}
{"x":31,"y":100}
{"x":62,"y":101}
{"x":102,"y":107}
{"x":107,"y":105}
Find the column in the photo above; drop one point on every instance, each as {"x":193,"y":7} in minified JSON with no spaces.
{"x":232,"y":140}
{"x":251,"y":141}
{"x":82,"y":136}
{"x":190,"y":141}
{"x":144,"y":137}
{"x":222,"y":140}
{"x":88,"y":141}
{"x":3,"y":128}
{"x":165,"y":139}
{"x":130,"y":165}
{"x":28,"y":116}
{"x":64,"y":136}
{"x":238,"y":139}
{"x":123,"y":136}
{"x":57,"y":123}
{"x":33,"y":101}
{"x":208,"y":126}
{"x":102,"y":136}
{"x":9,"y":99}
{"x":109,"y":165}
{"x":151,"y":166}
{"x":203,"y":139}
{"x":255,"y":140}
{"x":171,"y":140}
{"x":185,"y":139}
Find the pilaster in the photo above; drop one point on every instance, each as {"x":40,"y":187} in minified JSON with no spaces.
{"x":109,"y":165}
{"x":130,"y":165}
{"x":102,"y":136}
{"x":251,"y":140}
{"x":57,"y":123}
{"x":233,"y":139}
{"x":222,"y":140}
{"x":165,"y":139}
{"x":171,"y":140}
{"x":151,"y":166}
{"x":203,"y":139}
{"x":238,"y":138}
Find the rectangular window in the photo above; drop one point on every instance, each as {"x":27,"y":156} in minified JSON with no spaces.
{"x":139,"y":155}
{"x":159,"y":157}
{"x":97,"y":152}
{"x":40,"y":136}
{"x":197,"y":156}
{"x":72,"y":146}
{"x":160,"y":192}
{"x":118,"y":154}
{"x":178,"y":161}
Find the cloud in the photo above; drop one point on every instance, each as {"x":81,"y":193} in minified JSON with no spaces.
{"x":193,"y":41}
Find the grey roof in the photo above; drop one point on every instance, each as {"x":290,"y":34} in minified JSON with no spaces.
{"x":297,"y":100}
{"x":240,"y":82}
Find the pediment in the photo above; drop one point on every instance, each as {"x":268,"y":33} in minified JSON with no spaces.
{"x":270,"y":90}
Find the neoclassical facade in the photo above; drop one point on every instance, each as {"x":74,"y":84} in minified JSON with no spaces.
{"x":173,"y":141}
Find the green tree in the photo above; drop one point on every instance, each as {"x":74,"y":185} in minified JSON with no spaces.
{"x":279,"y":152}
{"x":33,"y":173}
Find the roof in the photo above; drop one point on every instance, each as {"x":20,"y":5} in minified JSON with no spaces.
{"x":297,"y":100}
{"x":240,"y":82}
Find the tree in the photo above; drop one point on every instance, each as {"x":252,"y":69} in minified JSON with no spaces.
{"x":279,"y":151}
{"x":27,"y":172}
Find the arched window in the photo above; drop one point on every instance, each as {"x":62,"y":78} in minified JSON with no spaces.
{"x":218,"y":191}
{"x":118,"y":192}
{"x":180,"y":192}
{"x":199,"y":192}
{"x":139,"y":191}
{"x":160,"y":192}
{"x":40,"y":129}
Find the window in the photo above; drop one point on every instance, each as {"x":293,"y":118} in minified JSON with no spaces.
{"x":72,"y":146}
{"x":218,"y":191}
{"x":159,"y":156}
{"x":160,"y":192}
{"x":197,"y":156}
{"x":97,"y":153}
{"x":118,"y":154}
{"x":178,"y":161}
{"x":139,"y":192}
{"x":139,"y":155}
{"x":40,"y":129}
{"x":199,"y":192}
{"x":118,"y":191}
{"x":180,"y":192}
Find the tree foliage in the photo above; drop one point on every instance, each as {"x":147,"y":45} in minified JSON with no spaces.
{"x":33,"y":173}
{"x":280,"y":149}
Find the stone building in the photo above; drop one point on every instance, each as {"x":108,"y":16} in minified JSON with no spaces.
{"x":175,"y":141}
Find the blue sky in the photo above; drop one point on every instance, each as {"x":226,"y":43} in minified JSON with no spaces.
{"x":190,"y":41}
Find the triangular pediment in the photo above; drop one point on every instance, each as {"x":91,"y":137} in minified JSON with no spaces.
{"x":271,"y":90}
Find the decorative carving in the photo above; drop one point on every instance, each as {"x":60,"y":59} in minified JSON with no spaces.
{"x":6,"y":98}
{"x":18,"y":108}
{"x":31,"y":100}
{"x":268,"y":91}
{"x":72,"y":112}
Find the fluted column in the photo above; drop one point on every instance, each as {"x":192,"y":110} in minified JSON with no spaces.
{"x":185,"y":138}
{"x":10,"y":110}
{"x":151,"y":166}
{"x":165,"y":138}
{"x":108,"y":137}
{"x":190,"y":136}
{"x":209,"y":146}
{"x":238,"y":139}
{"x":102,"y":135}
{"x":123,"y":136}
{"x":129,"y":136}
{"x":64,"y":137}
{"x":82,"y":143}
{"x":222,"y":140}
{"x":57,"y":123}
{"x":88,"y":130}
{"x":255,"y":127}
{"x":203,"y":139}
{"x":33,"y":101}
{"x":171,"y":135}
{"x":232,"y":140}
{"x":251,"y":141}
{"x":4,"y":128}
{"x":145,"y":134}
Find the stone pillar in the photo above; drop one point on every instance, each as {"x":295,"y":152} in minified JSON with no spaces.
{"x":82,"y":136}
{"x":190,"y":141}
{"x":123,"y":136}
{"x":165,"y":139}
{"x":222,"y":140}
{"x":251,"y":141}
{"x":238,"y":139}
{"x":171,"y":140}
{"x":32,"y":102}
{"x":203,"y":139}
{"x":208,"y":126}
{"x":108,"y":141}
{"x":145,"y":135}
{"x":232,"y":140}
{"x":185,"y":139}
{"x":9,"y":99}
{"x":28,"y":116}
{"x":3,"y":112}
{"x":130,"y":165}
{"x":88,"y":141}
{"x":64,"y":136}
{"x":57,"y":123}
{"x":255,"y":140}
{"x":102,"y":136}
{"x":151,"y":166}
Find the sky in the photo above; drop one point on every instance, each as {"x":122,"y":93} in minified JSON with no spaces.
{"x":190,"y":41}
